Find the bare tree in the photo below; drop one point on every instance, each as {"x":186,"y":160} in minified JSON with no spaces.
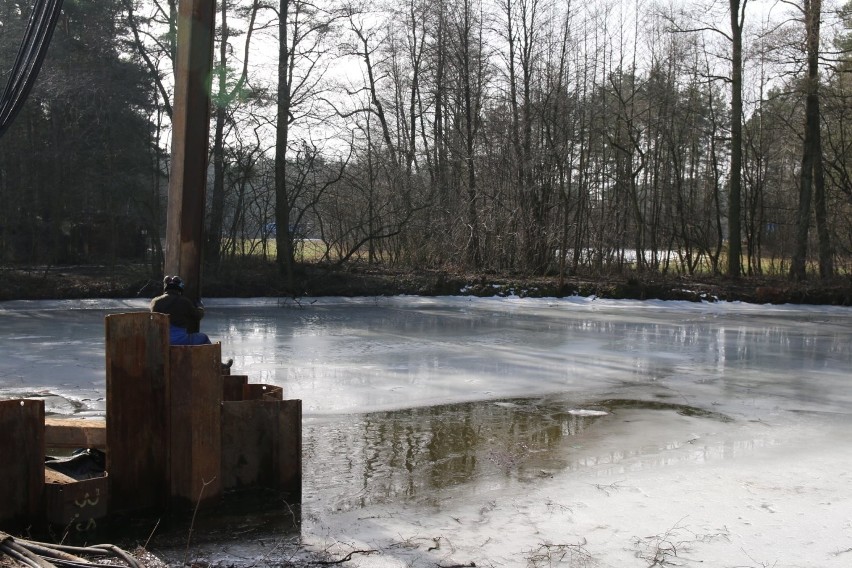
{"x":469,"y":61}
{"x":812,"y":179}
{"x":226,"y":96}
{"x":304,"y":28}
{"x":153,"y":47}
{"x":737,"y":10}
{"x":737,"y":13}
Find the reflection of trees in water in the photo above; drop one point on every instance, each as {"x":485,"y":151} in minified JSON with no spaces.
{"x":413,"y":453}
{"x":451,"y":451}
{"x":441,"y":446}
{"x":757,"y":353}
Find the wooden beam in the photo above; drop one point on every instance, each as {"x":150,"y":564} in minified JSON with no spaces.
{"x":137,"y":420}
{"x":232,"y":388}
{"x":196,"y":431}
{"x":73,"y":433}
{"x":253,"y":391}
{"x":57,"y":477}
{"x":262,"y":445}
{"x":21,"y":461}
{"x":289,"y":449}
{"x":190,"y":131}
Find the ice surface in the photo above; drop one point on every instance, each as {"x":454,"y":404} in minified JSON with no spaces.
{"x":506,"y":432}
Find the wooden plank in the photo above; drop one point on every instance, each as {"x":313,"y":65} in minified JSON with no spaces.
{"x":254,"y":391}
{"x":22,"y":461}
{"x":53,"y":476}
{"x":190,"y":123}
{"x":72,"y":433}
{"x":262,"y":445}
{"x":232,"y":388}
{"x":248,"y":434}
{"x":289,"y":449}
{"x":196,"y":442}
{"x":137,"y":420}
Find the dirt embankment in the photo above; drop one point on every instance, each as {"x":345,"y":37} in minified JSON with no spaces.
{"x":131,"y":281}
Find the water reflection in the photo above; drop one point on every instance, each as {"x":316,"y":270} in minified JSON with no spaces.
{"x":423,"y":405}
{"x":421,"y":455}
{"x":362,"y":355}
{"x":410,"y":453}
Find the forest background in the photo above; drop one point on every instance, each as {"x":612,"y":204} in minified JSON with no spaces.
{"x":626,"y":148}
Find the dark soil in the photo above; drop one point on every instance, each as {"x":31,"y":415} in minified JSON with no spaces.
{"x":264,"y":280}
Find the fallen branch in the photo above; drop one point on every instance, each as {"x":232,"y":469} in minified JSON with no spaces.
{"x":346,"y":558}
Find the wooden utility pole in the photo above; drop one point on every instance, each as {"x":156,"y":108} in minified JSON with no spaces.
{"x":190,"y":135}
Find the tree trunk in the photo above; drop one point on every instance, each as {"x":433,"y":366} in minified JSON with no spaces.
{"x":217,"y":200}
{"x":735,"y":189}
{"x":826,"y":252}
{"x":812,"y":178}
{"x":283,"y":242}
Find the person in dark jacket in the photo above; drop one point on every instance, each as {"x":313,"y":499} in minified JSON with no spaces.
{"x":184,"y":314}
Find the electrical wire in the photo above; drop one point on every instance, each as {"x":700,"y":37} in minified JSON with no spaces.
{"x":28,"y":61}
{"x":42,"y":555}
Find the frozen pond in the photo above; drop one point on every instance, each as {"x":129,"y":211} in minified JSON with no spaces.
{"x":526,"y":432}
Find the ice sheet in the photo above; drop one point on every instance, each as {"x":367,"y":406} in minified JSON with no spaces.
{"x":769,"y":487}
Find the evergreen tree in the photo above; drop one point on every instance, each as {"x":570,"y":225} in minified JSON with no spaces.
{"x":76,"y":161}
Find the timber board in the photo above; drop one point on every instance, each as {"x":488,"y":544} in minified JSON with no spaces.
{"x":196,"y":443}
{"x":73,"y":433}
{"x":22,"y":463}
{"x":137,"y":377}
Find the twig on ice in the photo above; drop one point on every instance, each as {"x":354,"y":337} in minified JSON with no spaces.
{"x":346,"y":558}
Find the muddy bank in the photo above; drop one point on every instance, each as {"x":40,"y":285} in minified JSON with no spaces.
{"x":133,"y":281}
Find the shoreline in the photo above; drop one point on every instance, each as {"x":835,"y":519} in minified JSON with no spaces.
{"x":134,"y":281}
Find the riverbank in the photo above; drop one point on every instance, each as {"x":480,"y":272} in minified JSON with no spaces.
{"x":135,"y":281}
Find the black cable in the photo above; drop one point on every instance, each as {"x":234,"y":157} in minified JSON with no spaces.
{"x":28,"y":62}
